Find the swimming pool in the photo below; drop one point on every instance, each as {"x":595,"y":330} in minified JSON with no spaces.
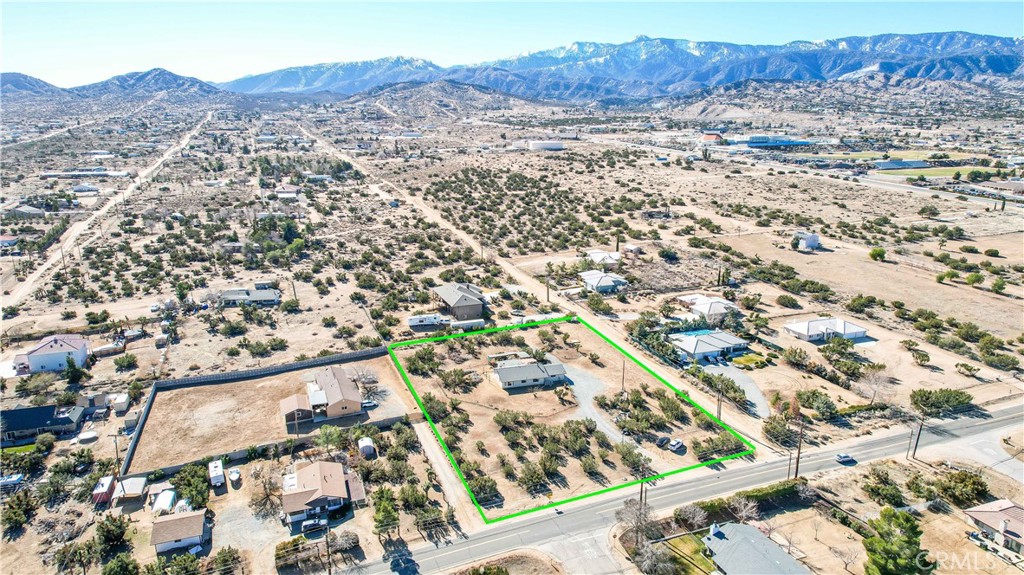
{"x":698,"y":332}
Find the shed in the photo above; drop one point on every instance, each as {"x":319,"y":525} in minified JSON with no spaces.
{"x":131,"y":420}
{"x":130,"y":488}
{"x":216,"y":471}
{"x":120,"y":402}
{"x":165,"y":501}
{"x":103,"y":490}
{"x":366,"y":447}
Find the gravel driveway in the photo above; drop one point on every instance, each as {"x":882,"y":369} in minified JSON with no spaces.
{"x":754,"y":395}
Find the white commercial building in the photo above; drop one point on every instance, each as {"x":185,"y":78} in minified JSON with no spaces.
{"x":548,"y":145}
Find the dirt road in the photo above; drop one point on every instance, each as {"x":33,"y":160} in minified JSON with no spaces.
{"x":78,"y":229}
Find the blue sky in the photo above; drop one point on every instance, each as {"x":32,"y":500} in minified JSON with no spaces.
{"x":80,"y":42}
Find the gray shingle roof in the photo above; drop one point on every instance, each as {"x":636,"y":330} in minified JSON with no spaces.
{"x":743,"y":550}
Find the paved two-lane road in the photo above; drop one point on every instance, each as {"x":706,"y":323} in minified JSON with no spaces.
{"x":571,"y":535}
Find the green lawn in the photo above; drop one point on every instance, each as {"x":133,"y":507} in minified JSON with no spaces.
{"x":687,"y":551}
{"x":748,"y":359}
{"x":932,"y":172}
{"x":21,"y":449}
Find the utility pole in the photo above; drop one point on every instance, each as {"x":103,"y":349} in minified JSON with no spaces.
{"x":799,"y":448}
{"x":547,"y":286}
{"x":117,"y":457}
{"x":719,"y":413}
{"x":789,"y":467}
{"x":920,"y":429}
{"x":623,"y":377}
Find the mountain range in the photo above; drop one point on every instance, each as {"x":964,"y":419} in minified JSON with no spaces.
{"x":641,"y":68}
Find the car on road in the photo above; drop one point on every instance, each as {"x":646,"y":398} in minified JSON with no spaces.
{"x":662,"y":441}
{"x":155,"y":307}
{"x":675,"y":444}
{"x":844,"y":458}
{"x":313,"y":525}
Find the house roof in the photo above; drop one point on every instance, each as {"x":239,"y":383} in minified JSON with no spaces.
{"x":597,"y":278}
{"x":251,"y":294}
{"x":743,"y":550}
{"x":28,"y":418}
{"x":603,"y":257}
{"x":320,"y":479}
{"x":178,"y":526}
{"x":67,"y":343}
{"x":332,"y":385}
{"x":130,"y":488}
{"x":457,"y":295}
{"x":706,"y":343}
{"x":527,"y":368}
{"x":825,"y":325}
{"x":994,"y":513}
{"x":296,"y":402}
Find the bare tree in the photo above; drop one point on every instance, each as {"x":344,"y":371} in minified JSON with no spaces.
{"x":265,"y":500}
{"x":848,"y":556}
{"x":654,"y":560}
{"x":744,"y":509}
{"x":875,"y":384}
{"x":816,"y":526}
{"x":637,"y":517}
{"x":693,"y":516}
{"x":769,"y":526}
{"x":806,"y":493}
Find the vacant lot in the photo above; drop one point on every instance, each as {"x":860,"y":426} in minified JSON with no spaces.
{"x":555,"y":440}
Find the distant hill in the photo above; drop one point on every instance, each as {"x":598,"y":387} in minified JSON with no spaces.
{"x":15,"y":85}
{"x":152,"y":82}
{"x":650,"y":67}
{"x":342,"y":78}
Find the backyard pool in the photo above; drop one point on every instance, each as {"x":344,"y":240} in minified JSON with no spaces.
{"x":697,"y":332}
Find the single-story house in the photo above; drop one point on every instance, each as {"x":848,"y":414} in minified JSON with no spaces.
{"x":825,"y":328}
{"x":603,"y":258}
{"x":179,"y":531}
{"x":25,"y":212}
{"x":602,"y":282}
{"x":332,"y":393}
{"x":738,"y":549}
{"x":528,"y":372}
{"x":1001,"y":521}
{"x":51,"y":354}
{"x":120,"y":403}
{"x":715,"y":344}
{"x":461,"y":300}
{"x":313,"y":490}
{"x":84,"y":188}
{"x":237,"y":297}
{"x":27,"y":422}
{"x":713,"y":309}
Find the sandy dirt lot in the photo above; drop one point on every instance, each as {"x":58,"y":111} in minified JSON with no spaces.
{"x":191,"y":423}
{"x":589,"y":379}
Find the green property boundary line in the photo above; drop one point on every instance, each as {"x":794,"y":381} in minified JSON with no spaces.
{"x":568,"y":318}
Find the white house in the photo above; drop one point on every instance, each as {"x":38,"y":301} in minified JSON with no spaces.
{"x":603,"y":258}
{"x":700,"y":346}
{"x":179,"y":531}
{"x":825,"y":328}
{"x":528,"y":372}
{"x":602,"y":282}
{"x":713,"y":309}
{"x":52,"y":352}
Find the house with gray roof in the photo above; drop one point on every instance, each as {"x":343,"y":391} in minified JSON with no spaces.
{"x":738,"y":549}
{"x":524,"y":371}
{"x":460,"y":300}
{"x":697,"y":346}
{"x":260,"y":297}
